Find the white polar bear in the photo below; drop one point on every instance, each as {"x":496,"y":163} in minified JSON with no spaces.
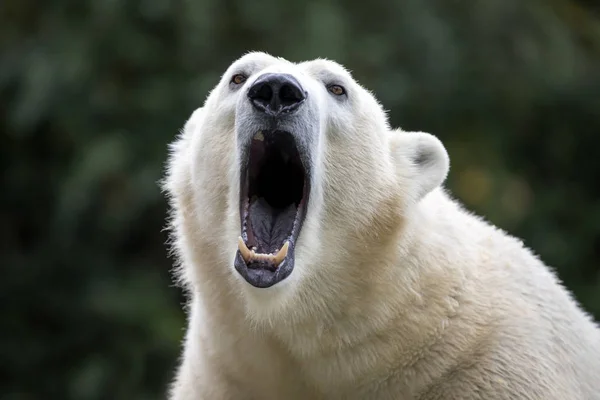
{"x":324,"y":261}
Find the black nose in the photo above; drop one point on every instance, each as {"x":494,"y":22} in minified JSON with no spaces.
{"x":276,"y":94}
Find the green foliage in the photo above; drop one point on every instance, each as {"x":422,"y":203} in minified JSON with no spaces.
{"x":91,"y":92}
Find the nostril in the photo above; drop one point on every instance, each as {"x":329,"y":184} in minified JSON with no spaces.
{"x":290,"y":95}
{"x":262,"y":93}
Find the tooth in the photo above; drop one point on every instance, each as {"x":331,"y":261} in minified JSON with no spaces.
{"x":259,"y":136}
{"x":250,"y":255}
{"x":247,"y":255}
{"x":278,"y":258}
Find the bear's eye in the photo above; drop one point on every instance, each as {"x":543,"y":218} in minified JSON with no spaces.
{"x":336,"y":89}
{"x":238,"y":79}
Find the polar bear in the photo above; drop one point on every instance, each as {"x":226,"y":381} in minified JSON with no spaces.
{"x":324,"y":260}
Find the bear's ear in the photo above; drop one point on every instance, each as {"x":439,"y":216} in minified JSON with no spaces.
{"x":421,"y":159}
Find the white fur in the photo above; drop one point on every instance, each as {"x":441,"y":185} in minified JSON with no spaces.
{"x":397,"y":292}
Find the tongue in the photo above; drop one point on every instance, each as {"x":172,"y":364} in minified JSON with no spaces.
{"x":270,"y":226}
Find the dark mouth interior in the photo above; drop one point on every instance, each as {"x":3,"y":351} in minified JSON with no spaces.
{"x":275,"y":192}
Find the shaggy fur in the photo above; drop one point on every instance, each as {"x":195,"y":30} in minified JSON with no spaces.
{"x":397,"y":292}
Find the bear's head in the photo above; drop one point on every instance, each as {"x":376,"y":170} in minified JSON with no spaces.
{"x":290,"y":182}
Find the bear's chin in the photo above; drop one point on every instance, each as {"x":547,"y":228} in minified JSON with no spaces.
{"x":274,"y":191}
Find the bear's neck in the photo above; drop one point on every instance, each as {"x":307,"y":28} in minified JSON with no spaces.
{"x":411,"y":289}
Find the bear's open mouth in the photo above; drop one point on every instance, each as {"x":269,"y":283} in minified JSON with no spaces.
{"x":273,"y":199}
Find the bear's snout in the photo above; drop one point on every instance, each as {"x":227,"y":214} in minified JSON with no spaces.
{"x":275,"y":94}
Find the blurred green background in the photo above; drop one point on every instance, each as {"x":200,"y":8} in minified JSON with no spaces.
{"x":91,"y":92}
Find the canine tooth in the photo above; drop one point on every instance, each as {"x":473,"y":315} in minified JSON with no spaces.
{"x":278,"y":258}
{"x":259,"y":136}
{"x":247,"y":255}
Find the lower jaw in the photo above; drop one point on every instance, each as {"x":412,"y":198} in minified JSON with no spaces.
{"x":263,"y":278}
{"x":267,"y":274}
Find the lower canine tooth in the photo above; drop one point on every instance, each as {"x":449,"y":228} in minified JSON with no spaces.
{"x":278,"y":258}
{"x":244,"y":251}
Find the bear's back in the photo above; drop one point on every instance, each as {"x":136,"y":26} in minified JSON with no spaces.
{"x":534,"y":341}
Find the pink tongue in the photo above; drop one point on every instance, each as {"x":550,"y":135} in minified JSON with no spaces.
{"x":271,"y":227}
